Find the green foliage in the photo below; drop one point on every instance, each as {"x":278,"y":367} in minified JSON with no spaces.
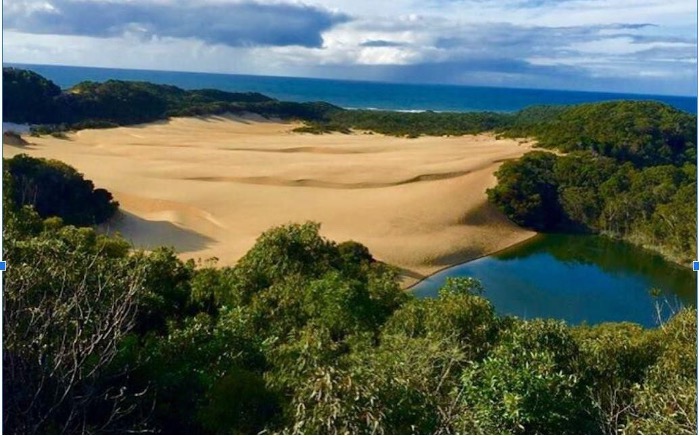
{"x":69,"y":300}
{"x":280,"y":253}
{"x":527,"y":191}
{"x":28,"y":97}
{"x":615,"y":359}
{"x":188,"y":366}
{"x":53,"y":188}
{"x":116,"y":102}
{"x":210,"y":286}
{"x":310,"y":111}
{"x":531,"y":121}
{"x":19,"y":221}
{"x":459,"y":315}
{"x":410,"y":124}
{"x":528,"y":384}
{"x":667,"y":402}
{"x":402,"y":386}
{"x":304,"y":335}
{"x":239,"y":403}
{"x":642,"y":132}
{"x":168,"y":290}
{"x":652,"y":206}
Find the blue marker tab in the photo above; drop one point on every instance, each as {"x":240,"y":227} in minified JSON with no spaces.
{"x":3,"y":265}
{"x":696,"y":266}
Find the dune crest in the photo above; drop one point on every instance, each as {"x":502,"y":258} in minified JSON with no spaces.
{"x":210,"y":186}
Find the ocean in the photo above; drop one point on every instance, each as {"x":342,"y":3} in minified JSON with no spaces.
{"x":355,"y":94}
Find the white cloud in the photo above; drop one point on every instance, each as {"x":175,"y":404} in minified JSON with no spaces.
{"x":570,"y":43}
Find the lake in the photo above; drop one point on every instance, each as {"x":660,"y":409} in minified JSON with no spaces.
{"x":578,"y":279}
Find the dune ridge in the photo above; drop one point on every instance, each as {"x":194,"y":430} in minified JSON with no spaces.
{"x":314,"y":183}
{"x":210,"y":186}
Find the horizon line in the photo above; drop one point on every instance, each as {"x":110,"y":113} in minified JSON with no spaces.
{"x":387,"y":82}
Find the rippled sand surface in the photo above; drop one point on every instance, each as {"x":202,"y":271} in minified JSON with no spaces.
{"x":210,"y":186}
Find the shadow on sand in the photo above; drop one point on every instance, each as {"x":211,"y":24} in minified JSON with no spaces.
{"x":148,"y":235}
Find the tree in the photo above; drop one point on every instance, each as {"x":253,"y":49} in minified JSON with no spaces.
{"x":28,"y":97}
{"x":528,"y":384}
{"x":69,"y":301}
{"x":642,"y":132}
{"x":527,"y":191}
{"x":667,"y":402}
{"x":615,"y":359}
{"x":53,"y":188}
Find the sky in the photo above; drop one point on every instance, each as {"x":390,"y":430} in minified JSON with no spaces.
{"x":639,"y":46}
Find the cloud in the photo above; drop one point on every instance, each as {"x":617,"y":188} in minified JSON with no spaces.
{"x":623,"y":45}
{"x":244,"y":23}
{"x":623,"y":56}
{"x":382,"y":43}
{"x":432,"y":40}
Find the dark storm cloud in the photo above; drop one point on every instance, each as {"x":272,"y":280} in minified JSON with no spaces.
{"x":506,"y":73}
{"x":465,"y":70}
{"x":530,"y":40}
{"x":521,"y":44}
{"x":237,"y":24}
{"x":382,"y":43}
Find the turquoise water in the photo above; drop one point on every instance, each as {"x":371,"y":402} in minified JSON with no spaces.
{"x":353,"y":94}
{"x":577,"y":279}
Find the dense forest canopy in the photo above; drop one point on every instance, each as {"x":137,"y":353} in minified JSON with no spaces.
{"x":30,"y":98}
{"x":27,"y":97}
{"x":641,"y":132}
{"x":653,"y":206}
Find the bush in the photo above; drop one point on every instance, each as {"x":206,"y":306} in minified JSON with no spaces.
{"x":69,"y":300}
{"x":527,"y":191}
{"x":528,"y":384}
{"x":53,"y":188}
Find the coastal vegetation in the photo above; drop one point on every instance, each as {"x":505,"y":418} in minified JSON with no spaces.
{"x":32,"y":99}
{"x":635,"y":126}
{"x":304,"y":335}
{"x":629,"y":172}
{"x":54,"y":189}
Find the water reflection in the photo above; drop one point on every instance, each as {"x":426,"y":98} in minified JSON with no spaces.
{"x":578,"y":279}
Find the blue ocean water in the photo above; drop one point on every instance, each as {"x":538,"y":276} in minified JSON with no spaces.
{"x":354,"y":94}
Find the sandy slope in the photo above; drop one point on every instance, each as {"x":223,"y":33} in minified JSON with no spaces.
{"x":210,"y":186}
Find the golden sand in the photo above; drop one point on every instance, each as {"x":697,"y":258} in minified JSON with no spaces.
{"x":210,"y":186}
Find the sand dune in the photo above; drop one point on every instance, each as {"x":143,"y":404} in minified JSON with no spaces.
{"x":210,"y":186}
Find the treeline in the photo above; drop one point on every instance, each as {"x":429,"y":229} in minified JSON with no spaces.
{"x":630,"y":173}
{"x":653,"y":206}
{"x":644,"y":133}
{"x":304,"y":335}
{"x":623,"y":129}
{"x":409,"y":124}
{"x":32,"y":99}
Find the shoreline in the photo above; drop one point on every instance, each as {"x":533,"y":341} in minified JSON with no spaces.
{"x":650,"y":250}
{"x":493,"y":253}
